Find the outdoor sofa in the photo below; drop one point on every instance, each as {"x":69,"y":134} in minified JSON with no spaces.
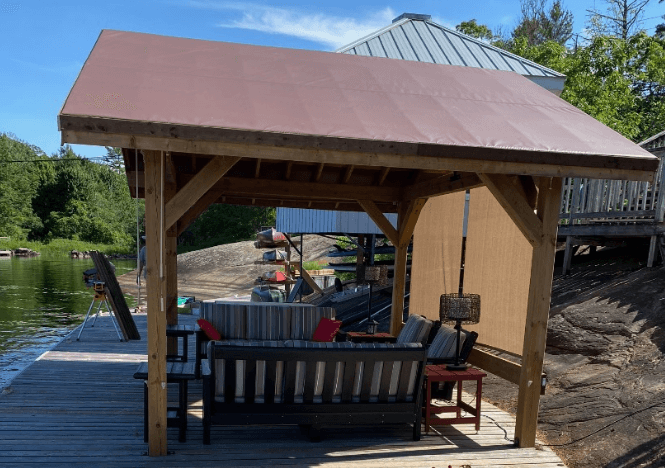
{"x":312,"y":384}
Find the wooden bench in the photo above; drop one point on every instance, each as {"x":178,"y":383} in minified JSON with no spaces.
{"x":313,"y":386}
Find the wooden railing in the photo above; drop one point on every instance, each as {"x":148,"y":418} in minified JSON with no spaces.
{"x":589,"y":201}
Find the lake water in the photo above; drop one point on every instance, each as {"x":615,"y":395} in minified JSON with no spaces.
{"x":42,"y":299}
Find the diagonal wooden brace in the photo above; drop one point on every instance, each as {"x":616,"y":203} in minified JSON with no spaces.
{"x":197,"y":187}
{"x":516,"y":205}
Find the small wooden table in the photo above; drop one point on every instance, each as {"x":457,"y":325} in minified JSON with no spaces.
{"x":438,"y":373}
{"x":176,"y":372}
{"x":362,"y":337}
{"x":179,"y":331}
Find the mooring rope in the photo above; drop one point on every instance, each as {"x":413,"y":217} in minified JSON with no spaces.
{"x":136,"y":204}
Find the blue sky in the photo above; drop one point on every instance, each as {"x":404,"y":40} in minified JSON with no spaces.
{"x":45,"y":43}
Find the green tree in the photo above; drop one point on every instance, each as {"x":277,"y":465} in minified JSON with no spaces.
{"x":19,"y":178}
{"x":473,"y":29}
{"x":619,"y":82}
{"x":538,"y":24}
{"x":221,"y":224}
{"x":113,"y":158}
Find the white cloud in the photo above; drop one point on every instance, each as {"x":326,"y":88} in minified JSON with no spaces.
{"x":332,"y":31}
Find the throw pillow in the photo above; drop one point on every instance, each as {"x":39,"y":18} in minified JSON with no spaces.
{"x":326,"y":330}
{"x":444,"y":344}
{"x":209,"y":330}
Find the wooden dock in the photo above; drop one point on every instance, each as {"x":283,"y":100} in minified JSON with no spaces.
{"x":78,"y":405}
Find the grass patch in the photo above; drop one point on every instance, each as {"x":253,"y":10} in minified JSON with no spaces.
{"x":62,"y":247}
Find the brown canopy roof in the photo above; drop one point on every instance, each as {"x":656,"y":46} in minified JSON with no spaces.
{"x":319,"y":109}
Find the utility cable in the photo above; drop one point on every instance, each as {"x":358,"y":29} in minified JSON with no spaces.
{"x":606,"y":426}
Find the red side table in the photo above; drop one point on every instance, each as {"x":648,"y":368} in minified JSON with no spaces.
{"x":438,"y":373}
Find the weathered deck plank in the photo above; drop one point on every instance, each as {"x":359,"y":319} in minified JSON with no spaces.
{"x":78,"y":405}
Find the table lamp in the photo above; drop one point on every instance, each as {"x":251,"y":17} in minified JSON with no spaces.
{"x":460,"y":308}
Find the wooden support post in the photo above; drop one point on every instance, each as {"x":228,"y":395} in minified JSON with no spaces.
{"x":399,"y":288}
{"x":538,"y":306}
{"x":360,"y":259}
{"x":407,"y":216}
{"x":652,"y":251}
{"x":156,"y":320}
{"x":567,"y":256}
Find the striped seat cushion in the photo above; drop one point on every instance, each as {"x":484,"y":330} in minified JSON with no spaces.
{"x":415,"y":330}
{"x":304,"y":321}
{"x":379,"y":370}
{"x":301,"y":368}
{"x":444,"y":344}
{"x":269,"y":322}
{"x":239,"y":397}
{"x":228,"y":318}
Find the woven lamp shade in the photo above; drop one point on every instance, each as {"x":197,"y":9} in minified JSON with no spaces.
{"x":372,"y":273}
{"x":462,"y":307}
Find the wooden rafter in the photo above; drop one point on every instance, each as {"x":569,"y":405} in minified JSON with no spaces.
{"x":197,"y":187}
{"x":516,"y":205}
{"x":381,"y":221}
{"x":319,"y":171}
{"x":347,"y":174}
{"x":289,"y":167}
{"x":383,"y":175}
{"x":441,"y":185}
{"x":294,"y":189}
{"x":257,"y":171}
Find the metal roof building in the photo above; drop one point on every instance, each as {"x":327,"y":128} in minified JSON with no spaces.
{"x":415,"y":37}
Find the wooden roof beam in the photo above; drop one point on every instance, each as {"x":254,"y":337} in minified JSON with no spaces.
{"x":203,"y":181}
{"x":427,"y":157}
{"x":516,"y":205}
{"x":441,"y":185}
{"x":306,"y":190}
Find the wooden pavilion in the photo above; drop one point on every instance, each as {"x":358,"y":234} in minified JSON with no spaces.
{"x":205,"y":122}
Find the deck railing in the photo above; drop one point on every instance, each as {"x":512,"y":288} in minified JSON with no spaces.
{"x":591,"y":201}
